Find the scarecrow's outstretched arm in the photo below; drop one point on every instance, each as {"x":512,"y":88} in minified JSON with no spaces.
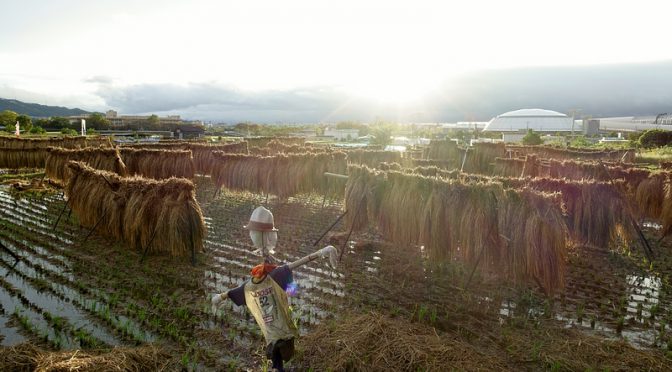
{"x":328,"y":251}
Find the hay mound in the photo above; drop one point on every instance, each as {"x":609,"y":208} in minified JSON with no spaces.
{"x":374,"y":342}
{"x":27,"y":357}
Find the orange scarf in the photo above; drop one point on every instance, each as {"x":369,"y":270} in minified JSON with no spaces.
{"x":262,"y":270}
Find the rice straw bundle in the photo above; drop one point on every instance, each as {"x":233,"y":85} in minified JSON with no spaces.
{"x":264,"y":141}
{"x":481,"y":156}
{"x":158,"y":164}
{"x":444,"y":164}
{"x":577,"y":170}
{"x":22,"y":158}
{"x":596,"y":212}
{"x":372,"y":158}
{"x":390,"y":166}
{"x":520,"y":233}
{"x":445,"y":149}
{"x":178,"y":145}
{"x":360,"y":201}
{"x":666,"y":165}
{"x":138,"y":210}
{"x":528,"y":166}
{"x":261,"y":151}
{"x":549,"y":152}
{"x":278,"y":147}
{"x":281,"y":175}
{"x":64,"y":142}
{"x":107,"y":159}
{"x":204,"y":158}
{"x":432,"y":171}
{"x":650,"y":194}
{"x":666,"y":215}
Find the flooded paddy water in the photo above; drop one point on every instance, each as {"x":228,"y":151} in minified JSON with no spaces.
{"x":66,"y":292}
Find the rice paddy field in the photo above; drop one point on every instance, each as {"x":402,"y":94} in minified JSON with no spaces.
{"x":394,"y":302}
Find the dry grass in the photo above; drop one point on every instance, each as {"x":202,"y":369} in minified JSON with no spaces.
{"x":22,"y":158}
{"x":158,"y":164}
{"x":375,"y":342}
{"x":107,"y":159}
{"x":29,"y":358}
{"x":136,"y":209}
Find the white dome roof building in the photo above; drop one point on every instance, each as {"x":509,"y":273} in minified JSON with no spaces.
{"x":538,"y":120}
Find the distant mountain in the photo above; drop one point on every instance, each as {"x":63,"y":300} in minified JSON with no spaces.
{"x":37,"y":110}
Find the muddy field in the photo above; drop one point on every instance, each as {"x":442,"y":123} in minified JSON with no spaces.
{"x":66,"y":291}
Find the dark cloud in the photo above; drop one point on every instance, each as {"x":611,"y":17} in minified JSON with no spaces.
{"x":606,"y":90}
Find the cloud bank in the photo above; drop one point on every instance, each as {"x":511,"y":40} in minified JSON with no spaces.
{"x":598,"y":91}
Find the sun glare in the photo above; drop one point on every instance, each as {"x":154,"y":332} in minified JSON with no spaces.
{"x":391,"y":89}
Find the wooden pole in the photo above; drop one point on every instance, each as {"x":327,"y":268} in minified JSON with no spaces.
{"x":148,"y":245}
{"x":359,"y":206}
{"x":330,"y":227}
{"x":65,"y":205}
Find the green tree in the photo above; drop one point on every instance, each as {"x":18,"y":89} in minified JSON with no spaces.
{"x":655,"y":138}
{"x":382,"y":135}
{"x":153,"y":122}
{"x":59,"y":122}
{"x":532,"y":138}
{"x":97,"y":121}
{"x":580,"y":141}
{"x":8,"y":120}
{"x":248,"y":128}
{"x":25,"y":122}
{"x":42,"y":122}
{"x":36,"y":129}
{"x":363,"y":129}
{"x":69,"y":132}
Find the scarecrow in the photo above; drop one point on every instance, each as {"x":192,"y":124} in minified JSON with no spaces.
{"x":264,"y":293}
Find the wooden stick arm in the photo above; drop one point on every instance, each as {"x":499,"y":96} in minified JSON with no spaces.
{"x":328,"y":251}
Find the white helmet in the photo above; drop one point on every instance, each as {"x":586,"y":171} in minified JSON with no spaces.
{"x":263,"y":233}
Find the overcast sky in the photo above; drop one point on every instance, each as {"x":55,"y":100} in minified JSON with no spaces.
{"x":313,"y":60}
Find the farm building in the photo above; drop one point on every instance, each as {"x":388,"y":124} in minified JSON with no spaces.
{"x":514,"y":124}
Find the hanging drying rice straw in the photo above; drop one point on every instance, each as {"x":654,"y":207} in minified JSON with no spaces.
{"x":158,"y":164}
{"x":100,"y":158}
{"x":138,"y":210}
{"x":22,"y":158}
